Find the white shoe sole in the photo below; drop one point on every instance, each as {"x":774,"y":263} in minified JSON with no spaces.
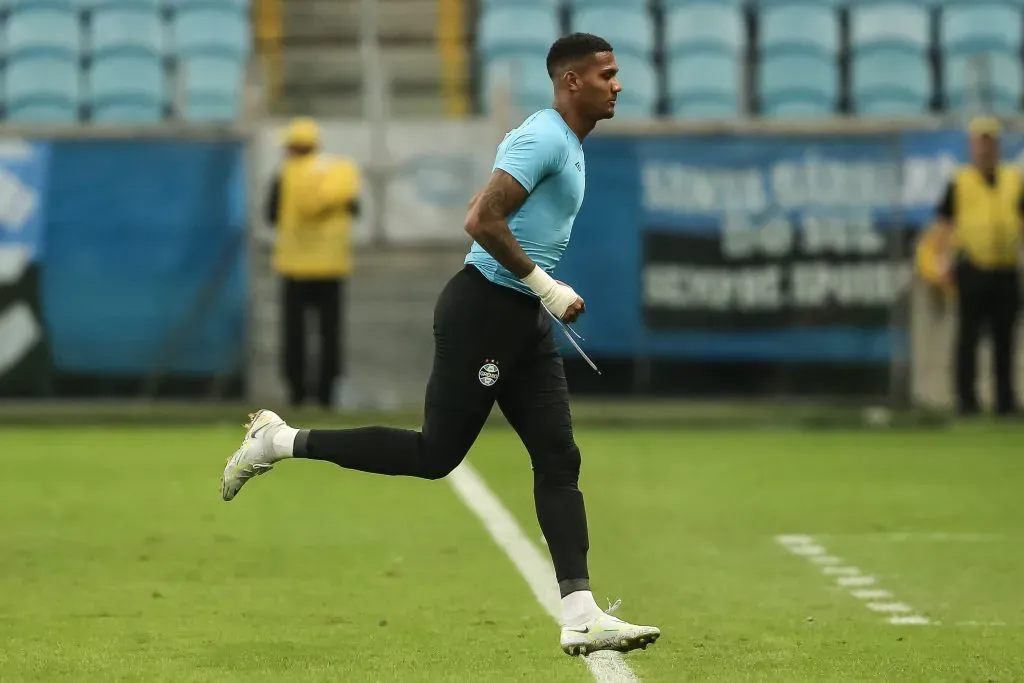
{"x":616,"y":644}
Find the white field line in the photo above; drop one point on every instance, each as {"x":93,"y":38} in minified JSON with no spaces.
{"x":860,"y":586}
{"x":607,"y":666}
{"x":919,"y":537}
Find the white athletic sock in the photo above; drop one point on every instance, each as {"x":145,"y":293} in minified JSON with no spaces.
{"x":283,"y":442}
{"x":578,"y":608}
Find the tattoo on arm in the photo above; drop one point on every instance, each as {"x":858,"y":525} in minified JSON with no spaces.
{"x":487,"y":222}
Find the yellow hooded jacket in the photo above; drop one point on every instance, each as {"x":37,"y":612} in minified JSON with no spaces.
{"x":314,"y":224}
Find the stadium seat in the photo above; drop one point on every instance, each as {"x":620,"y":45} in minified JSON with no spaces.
{"x":127,"y":29}
{"x":704,"y":26}
{"x":43,"y":30}
{"x":127,"y":88}
{"x":991,"y":79}
{"x":211,"y":32}
{"x":888,"y":24}
{"x":705,"y":110}
{"x":639,"y":96}
{"x":630,"y":30}
{"x":890,"y":82}
{"x":980,"y":25}
{"x":604,"y":3}
{"x":488,"y":5}
{"x":42,"y":88}
{"x":699,"y":84}
{"x":795,"y":84}
{"x":526,"y":77}
{"x":94,"y":5}
{"x":808,"y":26}
{"x":212,"y":88}
{"x":42,"y":113}
{"x":515,"y":30}
{"x":238,"y":6}
{"x":127,"y":113}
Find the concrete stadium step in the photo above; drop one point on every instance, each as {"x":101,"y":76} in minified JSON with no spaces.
{"x":348,"y":103}
{"x":418,"y":66}
{"x":334,"y":20}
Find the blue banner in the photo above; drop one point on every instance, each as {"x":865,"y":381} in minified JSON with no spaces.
{"x":759,"y":248}
{"x":137,"y":233}
{"x":23,"y":175}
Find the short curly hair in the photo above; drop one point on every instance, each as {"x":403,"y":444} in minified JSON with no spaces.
{"x":572,"y":47}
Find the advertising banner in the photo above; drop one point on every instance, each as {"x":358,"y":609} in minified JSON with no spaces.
{"x":785,"y":254}
{"x":24,"y":359}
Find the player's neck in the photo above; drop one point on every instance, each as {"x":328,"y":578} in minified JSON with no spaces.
{"x":577,"y":124}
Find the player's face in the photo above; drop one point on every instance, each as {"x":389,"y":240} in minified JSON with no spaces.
{"x":600,"y":87}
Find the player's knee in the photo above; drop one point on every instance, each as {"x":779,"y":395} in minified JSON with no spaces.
{"x":558,"y":467}
{"x":439,"y":462}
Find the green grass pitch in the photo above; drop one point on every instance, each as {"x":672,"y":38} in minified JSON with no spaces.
{"x":119,"y":561}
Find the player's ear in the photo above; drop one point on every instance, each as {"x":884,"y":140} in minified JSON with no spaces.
{"x":572,"y":80}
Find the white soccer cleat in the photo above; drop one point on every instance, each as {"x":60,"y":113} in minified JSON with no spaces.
{"x":606,"y":632}
{"x":254,"y":457}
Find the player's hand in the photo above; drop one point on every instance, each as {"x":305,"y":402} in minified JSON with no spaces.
{"x":575,"y":310}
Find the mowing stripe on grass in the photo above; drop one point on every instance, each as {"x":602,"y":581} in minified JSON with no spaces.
{"x":606,"y":667}
{"x":851,"y":578}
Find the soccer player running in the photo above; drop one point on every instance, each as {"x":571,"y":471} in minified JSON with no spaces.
{"x":493,"y":342}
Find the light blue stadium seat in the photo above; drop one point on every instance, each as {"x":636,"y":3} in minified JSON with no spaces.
{"x":890,"y":82}
{"x":488,"y":5}
{"x":43,"y":30}
{"x":42,"y":113}
{"x":998,"y":79}
{"x":210,"y":31}
{"x":797,"y":109}
{"x":704,"y":83}
{"x":673,"y":4}
{"x":512,"y":30}
{"x":127,"y":88}
{"x":811,"y":26}
{"x":705,"y":110}
{"x":604,"y":3}
{"x":93,"y":5}
{"x":238,"y":6}
{"x":639,"y":96}
{"x":213,"y":88}
{"x":887,"y":24}
{"x":42,"y":86}
{"x":980,"y":25}
{"x":704,"y":26}
{"x":127,"y":113}
{"x":525,"y":76}
{"x":124,"y":29}
{"x":797,"y":85}
{"x":630,"y":30}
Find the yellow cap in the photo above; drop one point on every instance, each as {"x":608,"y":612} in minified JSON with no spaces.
{"x":984,"y":125}
{"x":302,"y":131}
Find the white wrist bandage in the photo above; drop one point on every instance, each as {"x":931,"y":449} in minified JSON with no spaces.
{"x":556,"y":297}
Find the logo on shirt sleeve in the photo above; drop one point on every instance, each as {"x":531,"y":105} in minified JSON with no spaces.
{"x":578,"y":167}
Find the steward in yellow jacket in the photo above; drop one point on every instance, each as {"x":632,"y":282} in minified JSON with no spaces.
{"x":313,"y":201}
{"x":976,"y":247}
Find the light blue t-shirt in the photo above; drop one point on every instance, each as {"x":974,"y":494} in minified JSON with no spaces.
{"x":546,"y":157}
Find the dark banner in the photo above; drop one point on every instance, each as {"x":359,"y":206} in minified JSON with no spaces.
{"x":25,"y":368}
{"x":700,"y":281}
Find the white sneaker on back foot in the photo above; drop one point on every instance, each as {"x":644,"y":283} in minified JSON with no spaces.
{"x":605,"y":632}
{"x":254,"y":457}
